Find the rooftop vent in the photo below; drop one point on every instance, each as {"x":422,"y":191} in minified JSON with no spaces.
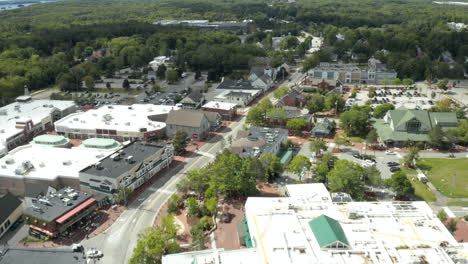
{"x":67,"y":162}
{"x":98,"y":166}
{"x":10,"y":161}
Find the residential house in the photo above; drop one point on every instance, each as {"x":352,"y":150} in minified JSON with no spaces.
{"x":195,"y":123}
{"x":128,"y":168}
{"x":193,"y":100}
{"x":57,"y":212}
{"x":226,"y":110}
{"x":401,"y":125}
{"x":281,"y":115}
{"x":323,"y":128}
{"x":11,"y":211}
{"x":293,"y":98}
{"x":258,"y":141}
{"x":262,"y":77}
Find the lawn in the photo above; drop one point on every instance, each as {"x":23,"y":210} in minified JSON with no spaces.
{"x":458,"y":203}
{"x":449,"y":176}
{"x":422,"y":190}
{"x":408,"y":171}
{"x":356,"y":139}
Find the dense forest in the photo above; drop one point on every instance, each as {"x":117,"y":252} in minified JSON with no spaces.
{"x":41,"y":45}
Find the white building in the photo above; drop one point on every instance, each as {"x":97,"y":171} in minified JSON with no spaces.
{"x":157,"y":61}
{"x":25,"y":118}
{"x":119,"y":122}
{"x":30,"y":169}
{"x":239,"y":97}
{"x":308,"y":227}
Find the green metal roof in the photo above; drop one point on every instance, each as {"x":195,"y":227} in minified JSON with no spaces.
{"x":324,"y":126}
{"x":51,"y":140}
{"x":386,"y":133}
{"x":327,"y":231}
{"x":101,"y":143}
{"x":285,"y":156}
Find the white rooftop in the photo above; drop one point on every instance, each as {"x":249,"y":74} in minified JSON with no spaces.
{"x":47,"y":163}
{"x":219,"y":105}
{"x":375,"y":232}
{"x":215,"y":256}
{"x":36,"y":111}
{"x":122,"y":118}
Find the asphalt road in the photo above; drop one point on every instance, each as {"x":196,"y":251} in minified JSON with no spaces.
{"x":118,"y":241}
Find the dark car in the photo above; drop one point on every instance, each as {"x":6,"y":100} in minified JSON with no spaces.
{"x":394,"y":169}
{"x":357,"y":156}
{"x":392,"y":164}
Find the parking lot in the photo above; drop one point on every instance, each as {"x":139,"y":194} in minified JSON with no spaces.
{"x":411,"y":99}
{"x":98,"y":99}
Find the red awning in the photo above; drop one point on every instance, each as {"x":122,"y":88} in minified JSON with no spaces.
{"x":47,"y":232}
{"x":75,"y":210}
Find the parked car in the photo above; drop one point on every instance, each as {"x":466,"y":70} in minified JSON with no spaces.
{"x":94,"y":254}
{"x":357,"y":156}
{"x":389,"y":152}
{"x":370,"y":162}
{"x":394,"y":169}
{"x":392,"y":164}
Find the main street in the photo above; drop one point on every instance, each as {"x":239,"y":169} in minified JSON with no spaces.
{"x":117,"y":242}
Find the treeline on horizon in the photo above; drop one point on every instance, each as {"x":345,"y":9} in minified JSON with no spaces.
{"x":39,"y":43}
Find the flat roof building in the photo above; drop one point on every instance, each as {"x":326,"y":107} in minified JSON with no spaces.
{"x":119,"y":122}
{"x":258,"y":141}
{"x":30,"y":169}
{"x":308,"y":227}
{"x":25,"y":118}
{"x":57,"y":212}
{"x":41,"y":256}
{"x":128,"y":167}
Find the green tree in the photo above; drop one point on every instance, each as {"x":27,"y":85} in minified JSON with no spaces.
{"x":174,"y":204}
{"x":433,"y":95}
{"x":298,"y":163}
{"x":89,"y":82}
{"x":315,"y":103}
{"x":310,"y":63}
{"x":341,"y":139}
{"x":193,"y":207}
{"x":443,"y":84}
{"x":126,"y":84}
{"x":354,"y":123}
{"x":255,"y":117}
{"x":385,"y":82}
{"x":271,"y":165}
{"x":373,"y":176}
{"x":172,"y":76}
{"x":296,"y":125}
{"x":317,"y":146}
{"x":180,"y":141}
{"x":289,"y":42}
{"x":155,"y":242}
{"x":212,"y":205}
{"x":400,"y":184}
{"x":161,"y":72}
{"x":442,"y":215}
{"x":411,"y":157}
{"x":122,"y":195}
{"x":436,"y":137}
{"x":452,"y":225}
{"x":396,"y":81}
{"x":323,"y":166}
{"x":372,"y":137}
{"x":371,"y":93}
{"x":281,"y":92}
{"x":407,"y":81}
{"x":381,"y":110}
{"x":198,"y":236}
{"x":346,"y":176}
{"x":335,"y":101}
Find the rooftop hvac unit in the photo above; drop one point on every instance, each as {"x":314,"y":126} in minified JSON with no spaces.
{"x":73,"y":195}
{"x":98,"y":166}
{"x":45,"y":201}
{"x":129,"y":159}
{"x":10,"y":161}
{"x":67,"y":162}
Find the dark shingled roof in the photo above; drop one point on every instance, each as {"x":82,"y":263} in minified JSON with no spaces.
{"x":41,"y":256}
{"x":236,"y":85}
{"x":189,"y":118}
{"x":8,"y":204}
{"x":113,"y":167}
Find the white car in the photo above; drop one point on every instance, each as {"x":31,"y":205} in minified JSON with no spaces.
{"x":369,"y":162}
{"x":389,"y":152}
{"x":94,"y":253}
